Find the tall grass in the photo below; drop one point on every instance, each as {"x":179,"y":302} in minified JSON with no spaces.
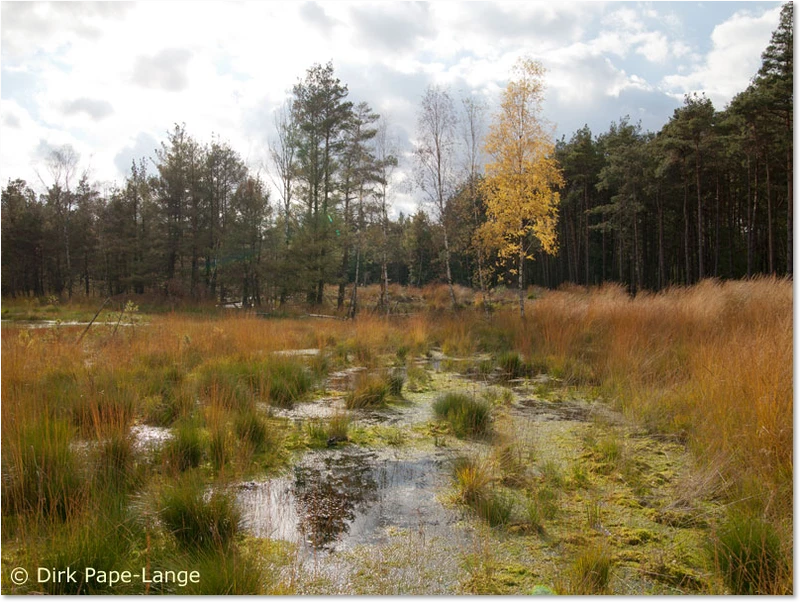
{"x":198,"y":518}
{"x":709,"y":365}
{"x":747,"y":552}
{"x":41,"y":470}
{"x":476,"y":487}
{"x":467,"y":416}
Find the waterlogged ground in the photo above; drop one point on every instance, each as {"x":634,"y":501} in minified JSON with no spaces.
{"x":377,"y":514}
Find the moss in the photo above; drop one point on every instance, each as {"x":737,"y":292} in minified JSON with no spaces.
{"x":674,"y":574}
{"x":625,"y":501}
{"x":635,"y":537}
{"x":636,"y":557}
{"x":682,"y":519}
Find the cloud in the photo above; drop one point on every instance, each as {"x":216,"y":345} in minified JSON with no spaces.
{"x":391,"y":26}
{"x":94,"y":108}
{"x":166,"y":70}
{"x":316,"y":15}
{"x":11,"y":121}
{"x":733,"y":60}
{"x":111,"y":78}
{"x":33,"y":27}
{"x":143,"y":146}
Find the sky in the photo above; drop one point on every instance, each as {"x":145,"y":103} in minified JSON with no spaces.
{"x":112,"y":78}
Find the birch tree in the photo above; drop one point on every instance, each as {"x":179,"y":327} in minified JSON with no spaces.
{"x":521,"y":176}
{"x":435,"y":155}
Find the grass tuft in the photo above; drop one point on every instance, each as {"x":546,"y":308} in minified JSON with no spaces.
{"x":197,"y":517}
{"x":467,"y":416}
{"x":747,"y":552}
{"x":186,"y":449}
{"x":591,"y":571}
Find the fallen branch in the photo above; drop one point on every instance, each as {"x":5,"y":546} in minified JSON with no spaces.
{"x":118,"y":321}
{"x":85,"y":330}
{"x":325,"y":316}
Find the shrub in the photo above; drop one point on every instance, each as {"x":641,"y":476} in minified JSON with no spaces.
{"x":467,"y":416}
{"x":197,"y":518}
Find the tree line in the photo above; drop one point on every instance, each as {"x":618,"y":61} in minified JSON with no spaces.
{"x":709,"y":195}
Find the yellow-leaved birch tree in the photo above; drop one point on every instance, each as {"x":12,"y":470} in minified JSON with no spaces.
{"x":522,"y":175}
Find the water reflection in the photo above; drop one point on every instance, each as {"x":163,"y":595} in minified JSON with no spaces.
{"x":329,"y":496}
{"x":340,"y":498}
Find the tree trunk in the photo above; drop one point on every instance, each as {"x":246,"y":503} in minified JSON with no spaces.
{"x":343,"y":280}
{"x":384,"y":284}
{"x":520,"y":278}
{"x":687,"y":256}
{"x":716,"y":231}
{"x":354,"y":297}
{"x":586,"y":229}
{"x":662,"y":277}
{"x":789,"y":211}
{"x":603,"y":267}
{"x":751,"y":220}
{"x":447,"y":263}
{"x":700,"y":264}
{"x":770,"y":247}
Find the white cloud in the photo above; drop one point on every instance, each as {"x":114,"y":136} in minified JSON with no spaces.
{"x":112,"y":78}
{"x":654,"y":46}
{"x":732,"y":61}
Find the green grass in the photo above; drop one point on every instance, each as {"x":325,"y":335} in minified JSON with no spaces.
{"x":396,"y":380}
{"x":221,"y":446}
{"x":103,"y":539}
{"x":251,"y":428}
{"x":512,"y":365}
{"x":238,"y":383}
{"x":370,"y":391}
{"x":418,"y":378}
{"x":197,"y":518}
{"x":325,"y":433}
{"x":475,"y":487}
{"x":591,"y":571}
{"x":116,"y":460}
{"x":187,"y":447}
{"x":467,"y":416}
{"x":747,"y":552}
{"x":41,"y":471}
{"x":224,"y":573}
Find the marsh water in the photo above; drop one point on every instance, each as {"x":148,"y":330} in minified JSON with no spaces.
{"x":333,"y":500}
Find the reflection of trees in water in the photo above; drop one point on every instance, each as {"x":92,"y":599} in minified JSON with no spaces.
{"x":328,"y":497}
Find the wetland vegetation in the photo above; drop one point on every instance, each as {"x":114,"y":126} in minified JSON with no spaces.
{"x":603,"y":444}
